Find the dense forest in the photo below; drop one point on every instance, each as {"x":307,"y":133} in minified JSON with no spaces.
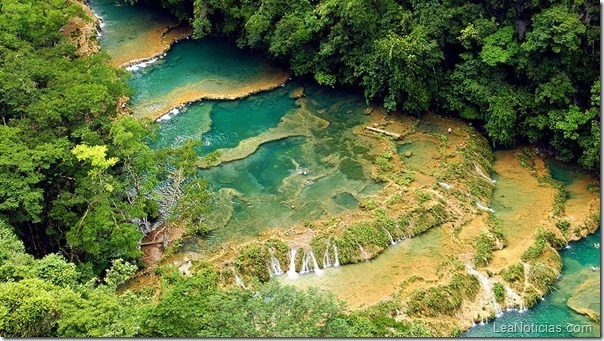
{"x":78,"y":183}
{"x":524,"y":70}
{"x":78,"y":192}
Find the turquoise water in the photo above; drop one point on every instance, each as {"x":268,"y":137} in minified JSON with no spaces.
{"x":562,"y":172}
{"x":260,"y":173}
{"x":128,"y":30}
{"x":509,"y":200}
{"x":124,"y":23}
{"x":296,"y":179}
{"x":223,"y":124}
{"x":284,"y":182}
{"x":288,"y":181}
{"x":207,"y":65}
{"x":424,"y":154}
{"x":577,"y":261}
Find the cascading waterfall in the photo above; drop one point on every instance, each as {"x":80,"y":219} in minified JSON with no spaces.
{"x":402,"y":237}
{"x":392,"y":242}
{"x":315,"y":264}
{"x":481,"y":173}
{"x":275,"y":266}
{"x":239,"y":282}
{"x":99,"y":31}
{"x":483,"y":207}
{"x":445,"y":185}
{"x":143,"y":64}
{"x":170,"y":114}
{"x":487,"y":287}
{"x":291,"y":273}
{"x":326,"y":260}
{"x":514,"y":298}
{"x":337,"y":261}
{"x":527,"y":271}
{"x":305,"y":261}
{"x":309,"y":262}
{"x":363,"y":252}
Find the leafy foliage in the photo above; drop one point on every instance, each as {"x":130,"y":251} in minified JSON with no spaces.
{"x":76,"y":177}
{"x":525,"y":71}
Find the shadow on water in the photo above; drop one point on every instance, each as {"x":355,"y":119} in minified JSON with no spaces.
{"x":131,"y":32}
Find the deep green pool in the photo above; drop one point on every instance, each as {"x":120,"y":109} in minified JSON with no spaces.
{"x":206,"y":66}
{"x":287,"y":181}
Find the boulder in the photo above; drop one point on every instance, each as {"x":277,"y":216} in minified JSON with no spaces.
{"x":297,"y":93}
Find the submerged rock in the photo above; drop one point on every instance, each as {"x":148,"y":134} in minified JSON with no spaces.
{"x":297,"y":93}
{"x":586,"y":298}
{"x":408,"y":153}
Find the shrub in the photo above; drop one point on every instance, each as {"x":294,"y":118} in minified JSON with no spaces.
{"x":484,"y":250}
{"x":533,"y":252}
{"x":499,"y":292}
{"x":513,"y":273}
{"x":563,"y":225}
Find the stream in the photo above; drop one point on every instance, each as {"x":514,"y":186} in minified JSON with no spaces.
{"x":289,"y":156}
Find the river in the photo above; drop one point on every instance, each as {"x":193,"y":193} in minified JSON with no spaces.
{"x":288,"y":156}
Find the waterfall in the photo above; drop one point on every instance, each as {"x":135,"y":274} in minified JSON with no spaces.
{"x":305,"y":269}
{"x":326,"y":260}
{"x":170,"y":114}
{"x":309,"y":263}
{"x":392,"y":242}
{"x":445,"y":185}
{"x":275,"y":266}
{"x":513,"y":297}
{"x":143,"y":64}
{"x":363,"y":252}
{"x":487,"y":287}
{"x":238,"y":281}
{"x":483,"y":207}
{"x":402,"y":235}
{"x":481,"y":173}
{"x":527,"y":270}
{"x":315,"y":264}
{"x":337,"y":261}
{"x":291,"y":273}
